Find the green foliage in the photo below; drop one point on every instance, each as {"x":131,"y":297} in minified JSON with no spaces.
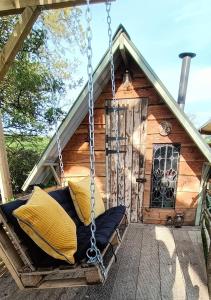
{"x":208,"y":139}
{"x":23,"y":153}
{"x":41,"y":68}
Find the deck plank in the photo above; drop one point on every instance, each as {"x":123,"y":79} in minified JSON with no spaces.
{"x":154,"y":262}
{"x":172,"y":280}
{"x":126,"y":280}
{"x":104,"y":292}
{"x":192,"y":268}
{"x":198,"y":249}
{"x":148,"y":285}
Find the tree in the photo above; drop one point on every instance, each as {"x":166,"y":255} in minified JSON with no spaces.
{"x":39,"y":70}
{"x":39,"y":75}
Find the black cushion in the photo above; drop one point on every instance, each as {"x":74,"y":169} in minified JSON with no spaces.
{"x":105,"y":224}
{"x":63,"y":197}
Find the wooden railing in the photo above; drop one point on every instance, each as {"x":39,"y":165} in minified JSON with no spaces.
{"x":205,"y":223}
{"x":206,"y":238}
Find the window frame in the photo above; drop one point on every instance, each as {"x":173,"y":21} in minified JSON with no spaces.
{"x":173,"y":183}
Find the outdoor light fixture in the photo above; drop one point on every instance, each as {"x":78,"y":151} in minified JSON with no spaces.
{"x":126,"y":80}
{"x":169,"y":221}
{"x":178,"y":220}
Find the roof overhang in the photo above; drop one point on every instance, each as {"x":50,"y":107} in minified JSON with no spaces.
{"x":168,"y":98}
{"x":74,"y":117}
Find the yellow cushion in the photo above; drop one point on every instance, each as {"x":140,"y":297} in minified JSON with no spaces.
{"x":80,"y":193}
{"x":48,"y":225}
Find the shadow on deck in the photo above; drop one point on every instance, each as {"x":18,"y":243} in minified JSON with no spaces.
{"x":153,"y":263}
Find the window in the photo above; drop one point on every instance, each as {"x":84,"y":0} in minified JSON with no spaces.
{"x":164,"y":175}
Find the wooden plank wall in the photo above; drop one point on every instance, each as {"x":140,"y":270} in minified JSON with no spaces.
{"x":190,"y":167}
{"x":76,"y":152}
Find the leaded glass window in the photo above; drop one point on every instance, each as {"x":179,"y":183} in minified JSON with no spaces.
{"x":164,"y":175}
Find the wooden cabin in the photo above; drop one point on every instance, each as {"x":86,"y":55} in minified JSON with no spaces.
{"x":205,"y":130}
{"x":161,"y":153}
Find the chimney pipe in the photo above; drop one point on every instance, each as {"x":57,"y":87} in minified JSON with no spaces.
{"x":186,"y":58}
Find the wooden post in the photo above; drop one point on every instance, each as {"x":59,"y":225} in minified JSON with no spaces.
{"x":5,"y":182}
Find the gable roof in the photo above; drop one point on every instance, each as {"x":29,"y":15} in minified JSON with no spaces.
{"x":206,"y":128}
{"x":101,"y":77}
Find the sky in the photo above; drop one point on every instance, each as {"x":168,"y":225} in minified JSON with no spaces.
{"x":161,"y":30}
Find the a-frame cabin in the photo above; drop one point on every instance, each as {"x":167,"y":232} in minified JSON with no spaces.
{"x":162,"y":154}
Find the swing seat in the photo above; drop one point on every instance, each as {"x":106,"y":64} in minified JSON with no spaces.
{"x":37,"y":266}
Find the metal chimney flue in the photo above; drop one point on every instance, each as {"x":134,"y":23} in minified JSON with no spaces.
{"x":186,"y":59}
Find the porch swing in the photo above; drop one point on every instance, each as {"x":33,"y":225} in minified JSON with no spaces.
{"x":28,"y":264}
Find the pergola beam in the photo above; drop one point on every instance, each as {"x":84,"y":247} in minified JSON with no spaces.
{"x":16,"y":39}
{"x":11,"y":7}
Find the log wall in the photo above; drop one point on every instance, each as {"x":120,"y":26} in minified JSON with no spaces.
{"x":76,"y":152}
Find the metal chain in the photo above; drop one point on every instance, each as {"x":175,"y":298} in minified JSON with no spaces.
{"x":113,"y":88}
{"x":55,"y":106}
{"x":93,"y":253}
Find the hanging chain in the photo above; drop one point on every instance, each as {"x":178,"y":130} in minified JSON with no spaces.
{"x":55,"y":117}
{"x":113,"y":88}
{"x":93,"y":253}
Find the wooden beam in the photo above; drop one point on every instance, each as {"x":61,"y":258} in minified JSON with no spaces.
{"x":63,"y":282}
{"x":55,"y":175}
{"x":10,"y":257}
{"x":16,"y":39}
{"x":5,"y":181}
{"x":11,"y":7}
{"x":124,"y":55}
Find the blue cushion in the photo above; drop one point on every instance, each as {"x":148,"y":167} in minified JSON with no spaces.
{"x":106,"y":224}
{"x":63,"y":197}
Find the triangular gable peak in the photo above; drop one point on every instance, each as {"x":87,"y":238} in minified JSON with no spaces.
{"x":206,"y":128}
{"x":124,"y":51}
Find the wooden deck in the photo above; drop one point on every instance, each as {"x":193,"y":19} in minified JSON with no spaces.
{"x":154,"y":263}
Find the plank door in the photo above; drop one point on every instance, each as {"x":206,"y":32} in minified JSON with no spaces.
{"x":125,"y":185}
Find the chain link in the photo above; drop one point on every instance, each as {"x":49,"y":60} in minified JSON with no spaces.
{"x":55,"y":102}
{"x":93,"y":253}
{"x":113,"y":88}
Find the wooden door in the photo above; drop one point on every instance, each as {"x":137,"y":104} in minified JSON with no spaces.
{"x":125,"y":185}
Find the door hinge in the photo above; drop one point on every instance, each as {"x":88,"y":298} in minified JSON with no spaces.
{"x":113,"y":151}
{"x":113,"y":138}
{"x":110,"y":109}
{"x":141,"y":180}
